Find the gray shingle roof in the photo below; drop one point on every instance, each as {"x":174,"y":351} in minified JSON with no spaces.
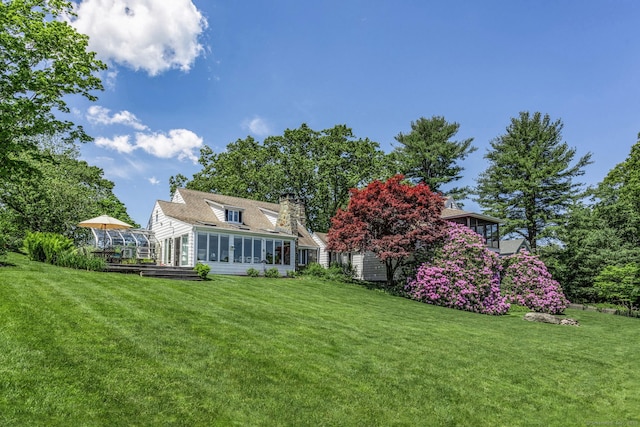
{"x":196,"y":210}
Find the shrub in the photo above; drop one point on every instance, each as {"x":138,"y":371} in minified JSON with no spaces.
{"x":526,"y":281}
{"x":619,"y":284}
{"x":202,"y":270}
{"x":252,"y":272}
{"x":80,"y":261}
{"x":464,"y":275}
{"x":272,"y":272}
{"x":291,"y":274}
{"x":315,"y":270}
{"x":46,"y":247}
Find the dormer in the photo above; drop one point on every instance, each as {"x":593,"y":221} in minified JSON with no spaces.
{"x":226,"y":213}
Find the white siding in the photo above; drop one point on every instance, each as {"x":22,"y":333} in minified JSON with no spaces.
{"x":373,"y":269}
{"x":165,"y":227}
{"x":271,"y":216}
{"x":219,"y":212}
{"x":177,"y":197}
{"x":323,"y":257}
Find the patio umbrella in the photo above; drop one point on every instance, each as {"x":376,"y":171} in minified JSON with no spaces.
{"x":104,"y":222}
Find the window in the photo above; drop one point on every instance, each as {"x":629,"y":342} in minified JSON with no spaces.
{"x":237,"y":249}
{"x":184,"y":250}
{"x":257,"y":251}
{"x":213,"y":247}
{"x":302,"y":257}
{"x":269,"y":251}
{"x":278,"y":245}
{"x":247,"y":250}
{"x":224,"y":248}
{"x":286,"y":253}
{"x":202,"y":247}
{"x":231,"y":215}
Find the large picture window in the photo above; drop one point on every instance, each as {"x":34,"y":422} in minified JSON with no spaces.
{"x":216,"y":247}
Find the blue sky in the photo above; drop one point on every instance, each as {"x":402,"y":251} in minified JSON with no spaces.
{"x":187,"y":73}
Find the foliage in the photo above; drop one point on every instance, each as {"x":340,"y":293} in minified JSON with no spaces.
{"x":464,"y":275}
{"x":43,"y":61}
{"x":427,"y":154}
{"x":76,"y":345}
{"x":317,"y":167}
{"x":314,"y":270}
{"x":602,"y":234}
{"x":80,"y":261}
{"x":202,"y":270}
{"x":291,"y":274}
{"x":252,"y":272}
{"x":392,"y":219}
{"x":272,"y":273}
{"x":530,"y":179}
{"x":46,"y":247}
{"x":62,"y":191}
{"x":526,"y":281}
{"x":620,"y":284}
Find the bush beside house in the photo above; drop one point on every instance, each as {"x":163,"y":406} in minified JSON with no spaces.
{"x":466,"y":275}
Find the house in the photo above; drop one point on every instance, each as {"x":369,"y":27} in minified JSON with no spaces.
{"x":232,"y":234}
{"x":368,"y":267}
{"x":513,"y":246}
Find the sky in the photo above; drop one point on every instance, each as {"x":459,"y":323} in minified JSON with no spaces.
{"x":187,"y":73}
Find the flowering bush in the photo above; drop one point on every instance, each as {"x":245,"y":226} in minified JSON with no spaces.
{"x":464,"y":275}
{"x":526,"y":281}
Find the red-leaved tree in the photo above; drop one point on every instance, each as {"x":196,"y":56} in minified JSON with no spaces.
{"x":391,"y":219}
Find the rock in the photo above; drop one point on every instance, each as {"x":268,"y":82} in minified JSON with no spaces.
{"x":548,"y":318}
{"x":541,"y":317}
{"x":569,"y":322}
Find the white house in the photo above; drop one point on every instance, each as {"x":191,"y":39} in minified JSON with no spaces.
{"x":231,"y":234}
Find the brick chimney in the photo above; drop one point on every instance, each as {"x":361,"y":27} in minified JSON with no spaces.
{"x":291,"y":212}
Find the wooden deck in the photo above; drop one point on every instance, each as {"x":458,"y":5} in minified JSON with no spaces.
{"x":152,"y":270}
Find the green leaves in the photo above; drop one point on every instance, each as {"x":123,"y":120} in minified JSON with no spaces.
{"x":530,"y":179}
{"x":318,"y":167}
{"x":428,"y":155}
{"x":42,"y":60}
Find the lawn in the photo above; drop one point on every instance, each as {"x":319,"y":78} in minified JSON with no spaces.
{"x":85,"y":348}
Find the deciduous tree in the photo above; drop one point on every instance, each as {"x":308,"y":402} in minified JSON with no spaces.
{"x":392,"y":219}
{"x":530,"y":179}
{"x":318,"y":167}
{"x":42,"y":61}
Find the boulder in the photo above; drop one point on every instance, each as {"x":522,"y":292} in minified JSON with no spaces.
{"x":548,"y":318}
{"x":541,"y":317}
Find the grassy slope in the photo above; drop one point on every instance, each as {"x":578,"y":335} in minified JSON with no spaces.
{"x":108,"y":349}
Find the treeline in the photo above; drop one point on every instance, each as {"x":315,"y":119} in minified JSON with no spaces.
{"x":585,"y":235}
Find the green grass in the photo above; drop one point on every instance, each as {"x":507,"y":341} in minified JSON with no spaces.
{"x":84,"y":348}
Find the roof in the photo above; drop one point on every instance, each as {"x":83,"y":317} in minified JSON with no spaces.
{"x":510,"y":247}
{"x":448,"y":213}
{"x":196,"y":210}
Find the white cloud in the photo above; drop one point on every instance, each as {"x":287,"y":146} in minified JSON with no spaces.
{"x":101,"y":115}
{"x":153,"y":180}
{"x":257,"y":126}
{"x":149,"y":35}
{"x":178,"y":142}
{"x":120,"y":144}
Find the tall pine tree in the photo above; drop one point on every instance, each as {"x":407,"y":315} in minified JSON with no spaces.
{"x":530,"y":179}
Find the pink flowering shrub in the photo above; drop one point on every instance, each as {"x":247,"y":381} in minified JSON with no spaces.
{"x":464,"y":275}
{"x":526,"y":281}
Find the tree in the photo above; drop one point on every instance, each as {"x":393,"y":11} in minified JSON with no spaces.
{"x":427,"y":154}
{"x":602,"y":234}
{"x":42,"y":61}
{"x":392,"y":219}
{"x":318,"y":167}
{"x":530,"y":179}
{"x":63,"y":192}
